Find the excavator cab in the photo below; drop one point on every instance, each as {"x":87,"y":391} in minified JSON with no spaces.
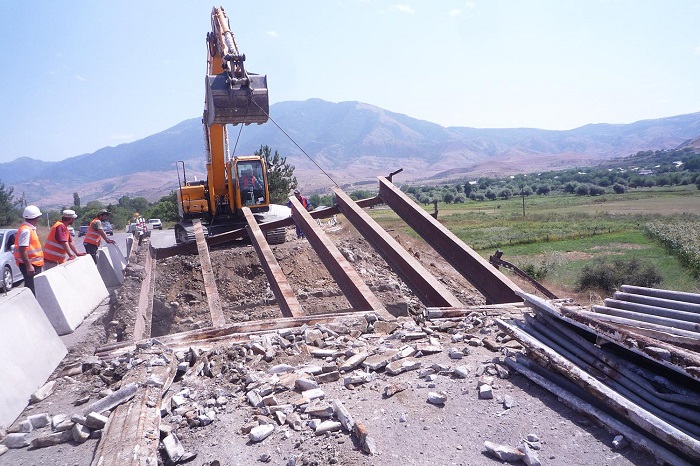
{"x":251,"y":182}
{"x":233,"y":96}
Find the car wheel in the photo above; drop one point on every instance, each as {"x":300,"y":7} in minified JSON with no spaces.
{"x":7,"y":281}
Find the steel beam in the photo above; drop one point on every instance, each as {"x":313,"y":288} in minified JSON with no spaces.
{"x":144,"y":313}
{"x":213,"y":300}
{"x":356,"y":291}
{"x":286,"y":299}
{"x":428,"y":288}
{"x":495,"y":286}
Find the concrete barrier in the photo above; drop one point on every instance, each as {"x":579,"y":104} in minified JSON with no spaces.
{"x":111,"y":265}
{"x":69,"y":292}
{"x":30,"y":351}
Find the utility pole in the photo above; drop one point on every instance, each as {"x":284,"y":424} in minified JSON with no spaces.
{"x":522,"y":194}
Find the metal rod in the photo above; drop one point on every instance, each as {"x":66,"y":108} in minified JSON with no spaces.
{"x":661,"y":302}
{"x":665,"y":294}
{"x":643,"y":317}
{"x":653,"y":310}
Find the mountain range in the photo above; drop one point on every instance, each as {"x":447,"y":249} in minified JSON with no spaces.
{"x":352,"y":142}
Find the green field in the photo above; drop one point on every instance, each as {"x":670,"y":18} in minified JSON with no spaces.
{"x":561,"y":234}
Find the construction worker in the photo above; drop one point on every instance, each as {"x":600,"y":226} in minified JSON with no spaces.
{"x":28,"y":253}
{"x":59,"y":244}
{"x":139,"y":227}
{"x":96,"y":234}
{"x":248,"y":181}
{"x":304,"y":202}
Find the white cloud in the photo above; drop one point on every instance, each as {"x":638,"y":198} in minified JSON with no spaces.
{"x":470,"y":4}
{"x":80,"y":78}
{"x":455,"y":12}
{"x":403,"y":9}
{"x":272,"y":33}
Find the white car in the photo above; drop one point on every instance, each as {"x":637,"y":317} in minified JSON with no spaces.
{"x":9,"y":271}
{"x":155,"y":224}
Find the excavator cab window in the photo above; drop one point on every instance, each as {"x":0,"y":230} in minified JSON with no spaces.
{"x":251,"y":184}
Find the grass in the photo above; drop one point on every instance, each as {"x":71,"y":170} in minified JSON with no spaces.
{"x":563,"y":233}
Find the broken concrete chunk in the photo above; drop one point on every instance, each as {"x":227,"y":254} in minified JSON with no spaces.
{"x":52,"y":439}
{"x":313,"y":394}
{"x":619,"y":442}
{"x":462,"y":372}
{"x":507,"y":401}
{"x":80,"y":433}
{"x":491,"y":344}
{"x":324,"y":353}
{"x":304,"y":384}
{"x":343,"y":415}
{"x":3,"y":449}
{"x":319,"y":410}
{"x":43,"y":393}
{"x":485,"y":392}
{"x":531,"y":458}
{"x":328,"y":426}
{"x":39,"y":420}
{"x":122,"y":395}
{"x":353,"y":361}
{"x":357,"y":377}
{"x":366,"y":441}
{"x":18,"y":440}
{"x":95,"y":421}
{"x":294,"y":421}
{"x":260,"y":433}
{"x":327,"y":377}
{"x":173,"y":448}
{"x":281,"y":369}
{"x":455,"y":353}
{"x":377,"y":361}
{"x":402,"y":365}
{"x":22,"y":427}
{"x":394,"y":388}
{"x":437,"y":398}
{"x":254,"y":398}
{"x":503,"y":452}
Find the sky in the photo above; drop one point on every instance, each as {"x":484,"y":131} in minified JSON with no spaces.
{"x":80,"y":75}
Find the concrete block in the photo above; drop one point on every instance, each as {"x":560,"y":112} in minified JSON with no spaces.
{"x":110,"y":264}
{"x":129,"y":245}
{"x":31,"y":350}
{"x":70,"y":292}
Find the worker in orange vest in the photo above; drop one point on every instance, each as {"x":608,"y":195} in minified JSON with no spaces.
{"x":304,"y":202}
{"x":28,"y":253}
{"x":59,"y":244}
{"x":96,"y":234}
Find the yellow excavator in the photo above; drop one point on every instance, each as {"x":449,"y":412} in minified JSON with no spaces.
{"x":233,"y":97}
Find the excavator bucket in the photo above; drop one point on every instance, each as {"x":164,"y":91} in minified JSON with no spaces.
{"x":233,"y":105}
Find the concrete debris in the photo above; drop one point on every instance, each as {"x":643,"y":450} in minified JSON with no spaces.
{"x":173,"y":448}
{"x":504,"y":452}
{"x":619,"y":442}
{"x":437,"y":398}
{"x":80,"y":433}
{"x":16,"y":440}
{"x":3,"y":449}
{"x":260,"y":433}
{"x":530,"y":458}
{"x":393,"y":388}
{"x":44,"y":392}
{"x":402,"y":365}
{"x":122,"y":395}
{"x":50,"y":440}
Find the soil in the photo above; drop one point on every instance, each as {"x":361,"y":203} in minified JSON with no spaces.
{"x":407,"y":429}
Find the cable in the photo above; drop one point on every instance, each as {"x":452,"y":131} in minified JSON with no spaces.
{"x":295,"y":143}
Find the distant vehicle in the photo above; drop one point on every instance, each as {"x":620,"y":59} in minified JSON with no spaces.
{"x":71,"y":230}
{"x":155,"y":223}
{"x":10,"y":271}
{"x":107,"y":227}
{"x":82,"y":231}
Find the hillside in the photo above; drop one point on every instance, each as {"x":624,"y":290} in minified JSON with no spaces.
{"x":352,"y":141}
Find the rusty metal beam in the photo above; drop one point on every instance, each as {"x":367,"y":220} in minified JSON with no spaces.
{"x":144,"y":313}
{"x":428,"y":288}
{"x":286,"y":299}
{"x":213,"y":300}
{"x":495,"y":286}
{"x":223,"y":238}
{"x":355,"y":289}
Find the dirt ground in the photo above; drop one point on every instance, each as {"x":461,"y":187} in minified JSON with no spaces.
{"x":406,"y":428}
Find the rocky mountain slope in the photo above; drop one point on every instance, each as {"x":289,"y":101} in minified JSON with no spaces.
{"x":352,"y":141}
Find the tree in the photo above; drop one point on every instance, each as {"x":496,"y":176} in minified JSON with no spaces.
{"x":448,"y":197}
{"x":76,"y":200}
{"x":280,"y":175}
{"x":165,"y":208}
{"x":467,"y":189}
{"x":8,"y":214}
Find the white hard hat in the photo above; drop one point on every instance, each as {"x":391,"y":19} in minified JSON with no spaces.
{"x":69,"y":213}
{"x":31,"y":212}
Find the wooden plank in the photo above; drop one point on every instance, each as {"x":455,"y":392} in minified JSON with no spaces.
{"x":213,"y":300}
{"x":286,"y":299}
{"x":132,"y":434}
{"x":144,"y":313}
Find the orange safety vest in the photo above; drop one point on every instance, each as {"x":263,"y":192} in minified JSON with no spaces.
{"x":247,"y":182}
{"x":53,"y":250}
{"x":34,"y":251}
{"x":92,"y":236}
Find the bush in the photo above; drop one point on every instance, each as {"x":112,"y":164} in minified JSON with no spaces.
{"x":608,"y":276}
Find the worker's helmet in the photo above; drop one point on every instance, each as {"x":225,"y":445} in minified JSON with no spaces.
{"x":31,"y":212}
{"x":103,"y":212}
{"x":136,"y":215}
